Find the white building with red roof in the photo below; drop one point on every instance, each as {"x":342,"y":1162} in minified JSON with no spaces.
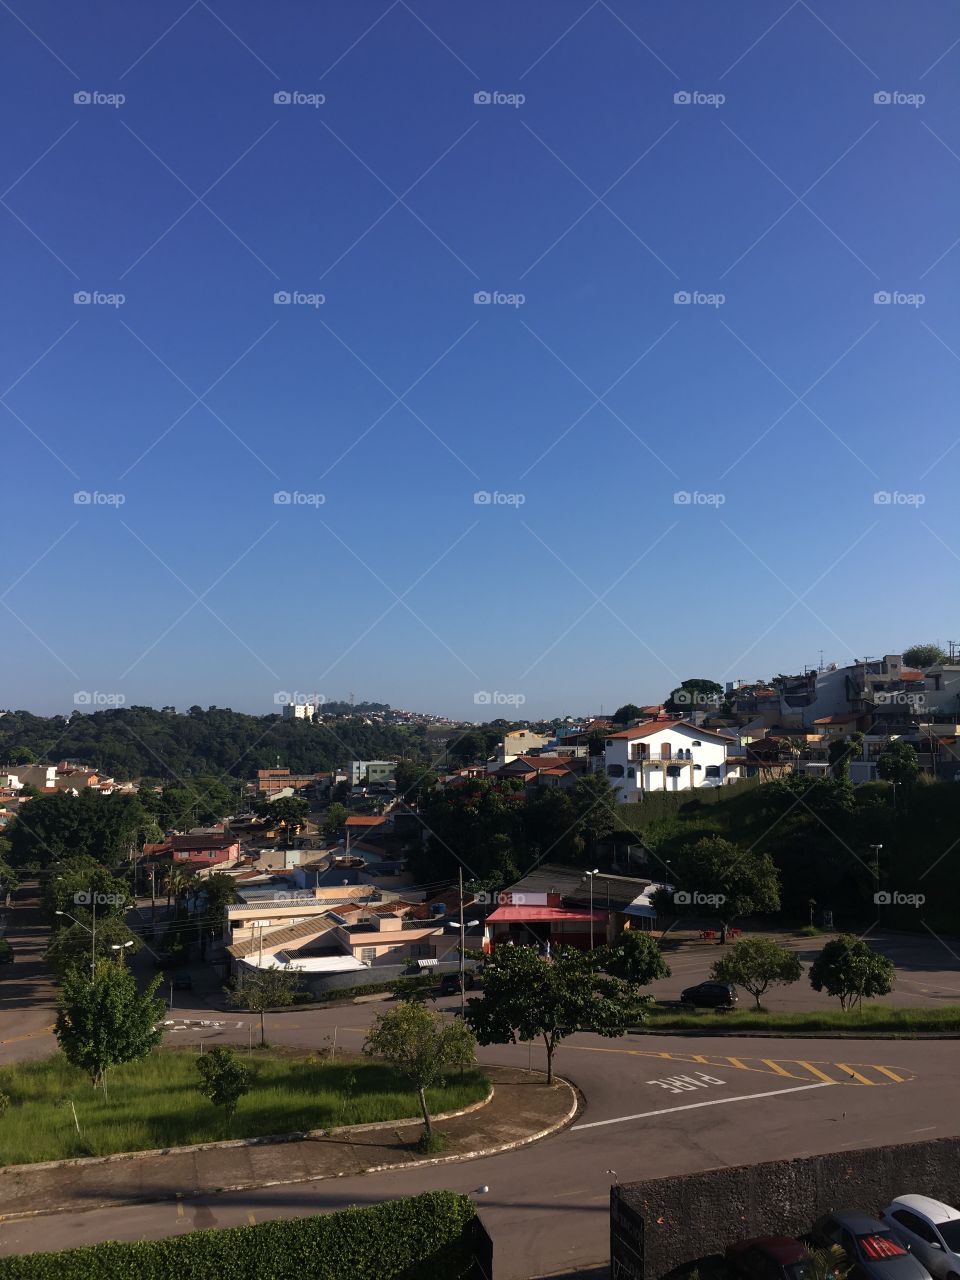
{"x":670,"y":755}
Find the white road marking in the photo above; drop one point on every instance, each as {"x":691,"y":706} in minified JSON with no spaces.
{"x":711,"y":1102}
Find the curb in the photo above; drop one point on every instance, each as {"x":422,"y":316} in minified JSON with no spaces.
{"x":564,"y":1121}
{"x":787,"y":1034}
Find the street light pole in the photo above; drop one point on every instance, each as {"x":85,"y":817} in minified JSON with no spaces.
{"x":463,"y":993}
{"x":93,"y":936}
{"x":590,"y":875}
{"x":876,"y":866}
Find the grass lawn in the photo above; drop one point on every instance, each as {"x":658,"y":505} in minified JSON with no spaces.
{"x":888,"y":1018}
{"x":156,"y":1103}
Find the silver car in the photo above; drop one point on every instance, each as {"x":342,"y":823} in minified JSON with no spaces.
{"x":931,"y":1231}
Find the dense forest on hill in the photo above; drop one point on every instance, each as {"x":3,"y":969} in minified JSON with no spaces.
{"x":135,"y":742}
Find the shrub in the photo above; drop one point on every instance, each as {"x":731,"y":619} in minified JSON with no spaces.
{"x":416,"y":1238}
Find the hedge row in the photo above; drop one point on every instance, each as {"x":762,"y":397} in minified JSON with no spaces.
{"x":417,"y":1239}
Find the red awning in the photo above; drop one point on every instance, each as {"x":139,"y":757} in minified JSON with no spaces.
{"x":530,"y":915}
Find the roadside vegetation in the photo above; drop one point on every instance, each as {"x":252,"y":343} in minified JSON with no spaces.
{"x":889,"y":1019}
{"x":158,"y":1102}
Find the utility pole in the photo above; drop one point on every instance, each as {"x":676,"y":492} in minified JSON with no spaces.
{"x":153,"y":893}
{"x":93,"y":936}
{"x":463,"y":993}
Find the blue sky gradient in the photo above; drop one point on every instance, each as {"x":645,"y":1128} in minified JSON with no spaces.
{"x":600,"y":197}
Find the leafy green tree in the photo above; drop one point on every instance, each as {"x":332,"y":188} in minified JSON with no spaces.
{"x":636,"y":958}
{"x":922,"y":656}
{"x":840,"y":753}
{"x":526,"y":995}
{"x":691,"y":695}
{"x":413,"y":780}
{"x":628,"y":712}
{"x":737,"y":882}
{"x":334,"y":819}
{"x":62,"y":825}
{"x":106,"y":1021}
{"x":757,"y":964}
{"x":261,"y":989}
{"x":224,"y":1079}
{"x":898,"y":763}
{"x":594,"y":799}
{"x":419,"y":988}
{"x":289,"y":809}
{"x":21,"y":755}
{"x":8,"y":880}
{"x":421,"y":1045}
{"x":850,"y":969}
{"x":71,"y":885}
{"x":72,"y":947}
{"x":6,"y":951}
{"x":220,"y":891}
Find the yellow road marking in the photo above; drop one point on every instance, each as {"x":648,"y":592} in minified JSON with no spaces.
{"x":179,"y":1208}
{"x":735,"y":1062}
{"x":775,"y":1066}
{"x":856,"y":1074}
{"x":892,"y":1074}
{"x":815,"y":1070}
{"x":698,"y":1057}
{"x":252,"y":1219}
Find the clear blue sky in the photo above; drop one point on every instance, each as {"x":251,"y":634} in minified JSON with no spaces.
{"x":598,"y":198}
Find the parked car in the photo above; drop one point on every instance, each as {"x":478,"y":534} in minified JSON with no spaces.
{"x":710,"y":995}
{"x":931,"y":1231}
{"x":870,"y":1245}
{"x":450,"y":983}
{"x":768,"y":1258}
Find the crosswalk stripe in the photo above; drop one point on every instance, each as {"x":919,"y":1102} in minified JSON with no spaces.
{"x":775,"y":1066}
{"x":892,"y":1074}
{"x":735,"y":1062}
{"x":856,"y":1074}
{"x":815,"y":1071}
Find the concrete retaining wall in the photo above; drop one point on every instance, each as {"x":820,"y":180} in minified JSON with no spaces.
{"x":681,"y":1219}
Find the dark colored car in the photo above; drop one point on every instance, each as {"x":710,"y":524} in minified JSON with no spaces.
{"x":870,"y":1245}
{"x":450,"y":983}
{"x":710,"y":995}
{"x":768,"y":1258}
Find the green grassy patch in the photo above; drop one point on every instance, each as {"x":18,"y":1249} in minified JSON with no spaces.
{"x":156,"y":1103}
{"x":889,"y":1018}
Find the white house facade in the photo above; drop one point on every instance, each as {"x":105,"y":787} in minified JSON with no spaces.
{"x":669,"y":755}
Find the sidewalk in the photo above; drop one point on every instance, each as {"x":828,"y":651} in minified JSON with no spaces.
{"x":522,"y":1110}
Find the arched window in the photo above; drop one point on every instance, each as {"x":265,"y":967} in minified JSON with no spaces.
{"x":615,"y":770}
{"x":631,"y":773}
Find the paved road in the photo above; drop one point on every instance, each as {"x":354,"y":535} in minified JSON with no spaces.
{"x":655,"y":1107}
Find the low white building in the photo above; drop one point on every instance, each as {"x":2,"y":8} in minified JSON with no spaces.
{"x":669,"y":755}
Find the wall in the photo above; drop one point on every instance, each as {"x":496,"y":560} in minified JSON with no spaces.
{"x":693,"y":1216}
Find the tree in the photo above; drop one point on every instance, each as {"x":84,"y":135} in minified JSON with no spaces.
{"x":220,"y":890}
{"x":526,"y":995}
{"x":76,"y":885}
{"x":104,"y":1021}
{"x":21,"y":755}
{"x":263,"y":989}
{"x":922,"y":656}
{"x":840,"y":753}
{"x":336,"y":816}
{"x":62,"y":825}
{"x":756,"y":964}
{"x":850,"y":969}
{"x":629,"y":711}
{"x":727,"y":880}
{"x":690,"y":694}
{"x":224,"y":1079}
{"x":898,"y":763}
{"x":413,"y":780}
{"x":71,"y":947}
{"x":289,"y":809}
{"x":420,"y":1045}
{"x":594,"y":799}
{"x":636,"y":959}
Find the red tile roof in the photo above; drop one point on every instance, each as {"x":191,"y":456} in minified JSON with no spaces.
{"x":656,"y":726}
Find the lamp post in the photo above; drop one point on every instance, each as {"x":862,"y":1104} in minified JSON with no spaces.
{"x":876,"y":869}
{"x":121,"y":948}
{"x":590,"y":875}
{"x":92,"y":932}
{"x":462,"y":924}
